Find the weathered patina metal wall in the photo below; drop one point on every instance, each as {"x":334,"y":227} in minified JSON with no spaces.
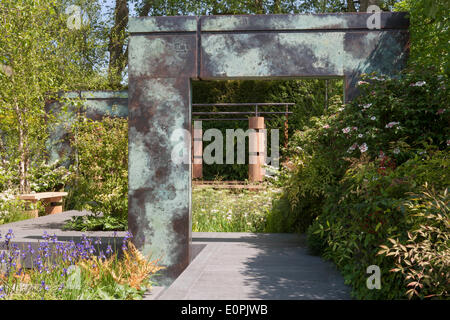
{"x":95,"y":104}
{"x":323,"y":45}
{"x":161,"y":65}
{"x":167,"y":53}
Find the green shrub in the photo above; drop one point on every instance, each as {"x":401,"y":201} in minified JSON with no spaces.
{"x":367,"y":207}
{"x":355,"y":168}
{"x":315,"y":165}
{"x":8,"y":176}
{"x":424,"y":258}
{"x":3,"y":179}
{"x":304,"y":193}
{"x":48,"y":177}
{"x":395,"y":119}
{"x":397,"y":115}
{"x":13,"y":209}
{"x":278,"y":218}
{"x":99,"y":181}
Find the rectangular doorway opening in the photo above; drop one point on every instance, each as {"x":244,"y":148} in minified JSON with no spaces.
{"x":226,"y":196}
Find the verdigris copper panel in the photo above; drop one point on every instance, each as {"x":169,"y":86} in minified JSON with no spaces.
{"x":162,"y":24}
{"x":170,"y":56}
{"x":255,"y":55}
{"x":383,"y":52}
{"x":266,"y":55}
{"x":281,"y":22}
{"x":95,"y":104}
{"x":159,"y":188}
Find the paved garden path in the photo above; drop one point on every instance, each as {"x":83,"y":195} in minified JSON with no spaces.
{"x":254,"y":266}
{"x":225,"y":265}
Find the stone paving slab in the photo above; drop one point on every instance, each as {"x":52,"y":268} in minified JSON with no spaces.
{"x":248,"y":266}
{"x":31,"y":230}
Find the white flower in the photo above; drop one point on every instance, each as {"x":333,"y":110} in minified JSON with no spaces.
{"x":396,"y":151}
{"x":373,"y":118}
{"x":346,"y":130}
{"x":418,"y":84}
{"x":326,"y":126}
{"x":367,"y":106}
{"x":352,"y":148}
{"x":363,"y":148}
{"x":360,"y":135}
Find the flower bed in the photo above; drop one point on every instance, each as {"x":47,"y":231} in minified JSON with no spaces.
{"x":72,"y":271}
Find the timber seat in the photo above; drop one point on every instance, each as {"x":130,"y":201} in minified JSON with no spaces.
{"x":52,"y":201}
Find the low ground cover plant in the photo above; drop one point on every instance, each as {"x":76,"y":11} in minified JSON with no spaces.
{"x":93,"y":222}
{"x":73,"y":271}
{"x":228,"y":211}
{"x":12,"y":209}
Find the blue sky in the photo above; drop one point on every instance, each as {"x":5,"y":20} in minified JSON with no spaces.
{"x":111,"y":4}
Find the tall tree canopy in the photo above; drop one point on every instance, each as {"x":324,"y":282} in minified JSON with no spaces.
{"x":40,"y":54}
{"x":430,"y":34}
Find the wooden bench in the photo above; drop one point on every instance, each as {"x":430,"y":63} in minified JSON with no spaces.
{"x":52,"y":201}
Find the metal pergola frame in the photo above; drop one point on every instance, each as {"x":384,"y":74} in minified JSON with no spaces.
{"x":256,"y":113}
{"x":256,"y":105}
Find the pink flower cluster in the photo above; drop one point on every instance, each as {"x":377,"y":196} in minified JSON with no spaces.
{"x":363,"y":147}
{"x":348,"y":129}
{"x":392,"y":124}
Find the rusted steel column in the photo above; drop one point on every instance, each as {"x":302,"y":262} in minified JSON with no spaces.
{"x":162,"y":62}
{"x":197,"y":163}
{"x":256,"y":154}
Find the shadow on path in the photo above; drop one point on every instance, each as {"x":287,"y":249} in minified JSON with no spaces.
{"x":256,"y":266}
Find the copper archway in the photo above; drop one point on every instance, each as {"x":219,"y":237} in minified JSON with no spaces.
{"x":167,"y":53}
